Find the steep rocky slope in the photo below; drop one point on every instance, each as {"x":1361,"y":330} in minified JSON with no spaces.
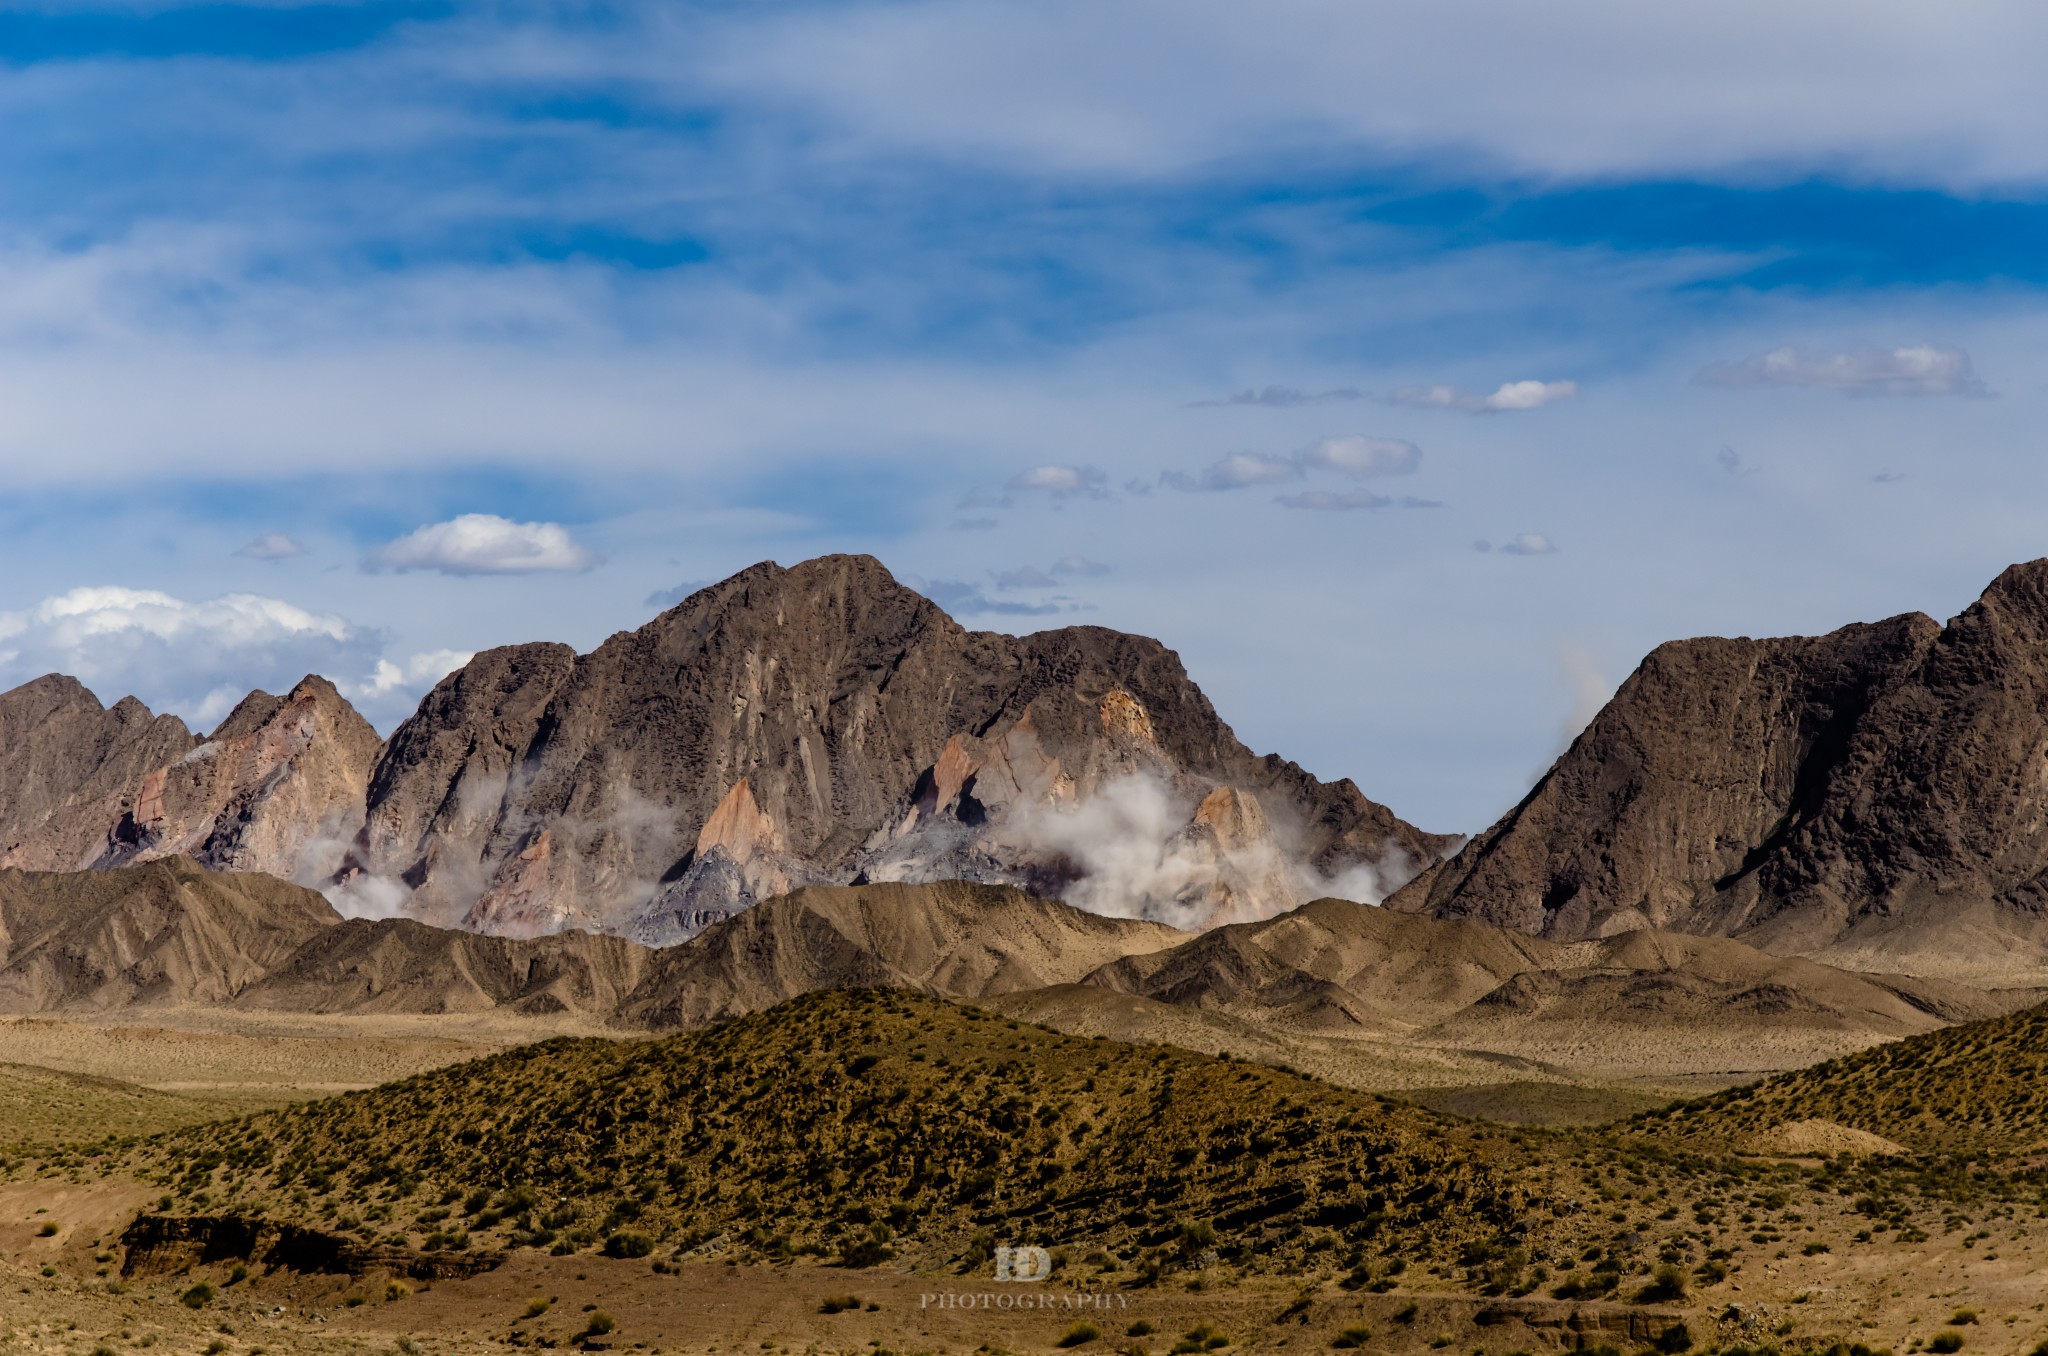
{"x":1872,"y":798}
{"x":824,"y":724}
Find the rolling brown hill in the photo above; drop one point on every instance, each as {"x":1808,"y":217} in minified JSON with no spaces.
{"x":1869,"y":798}
{"x":860,"y":1126}
{"x":166,"y":933}
{"x":1340,"y":967}
{"x":950,"y":938}
{"x":1977,"y":1088}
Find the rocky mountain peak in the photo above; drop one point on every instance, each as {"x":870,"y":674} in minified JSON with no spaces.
{"x":1870,"y":797}
{"x":822,"y":724}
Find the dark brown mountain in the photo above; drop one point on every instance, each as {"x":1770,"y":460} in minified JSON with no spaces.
{"x":825,"y":724}
{"x":1874,"y":798}
{"x":70,"y":768}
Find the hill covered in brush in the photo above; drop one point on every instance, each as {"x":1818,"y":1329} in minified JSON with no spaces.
{"x":856,"y":1125}
{"x":1977,"y":1088}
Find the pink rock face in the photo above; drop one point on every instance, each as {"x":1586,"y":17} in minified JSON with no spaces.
{"x":278,"y":789}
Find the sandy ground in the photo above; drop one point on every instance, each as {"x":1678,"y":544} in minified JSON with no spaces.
{"x":1884,"y":1294}
{"x":285,"y":1057}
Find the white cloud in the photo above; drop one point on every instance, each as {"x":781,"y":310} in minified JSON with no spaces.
{"x":1061,"y":482}
{"x":415,"y":675}
{"x":1509,"y":395}
{"x":1919,"y":370}
{"x":1353,"y":455}
{"x":1235,"y":472}
{"x":272,"y":546}
{"x":194,"y":658}
{"x":1079,"y":567}
{"x":1529,"y":544}
{"x":484,"y":543}
{"x":1359,"y":456}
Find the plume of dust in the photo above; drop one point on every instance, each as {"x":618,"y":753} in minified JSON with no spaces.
{"x":1589,"y":692}
{"x":1134,"y":857}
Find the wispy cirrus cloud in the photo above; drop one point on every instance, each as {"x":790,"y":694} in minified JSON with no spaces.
{"x":1915,"y":370}
{"x":1061,"y":482}
{"x":1509,"y":396}
{"x":1354,"y":455}
{"x":1282,"y":397}
{"x":272,"y":546}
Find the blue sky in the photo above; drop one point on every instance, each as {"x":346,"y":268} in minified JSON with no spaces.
{"x":357,"y":337}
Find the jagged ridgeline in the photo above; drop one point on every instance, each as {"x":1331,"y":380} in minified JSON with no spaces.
{"x":1979,"y":1088}
{"x":859,"y":1126}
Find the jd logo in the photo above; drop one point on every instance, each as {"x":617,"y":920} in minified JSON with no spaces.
{"x":1023,"y":1264}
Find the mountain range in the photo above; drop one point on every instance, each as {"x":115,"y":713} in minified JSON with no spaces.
{"x":1873,"y":798}
{"x":815,"y":725}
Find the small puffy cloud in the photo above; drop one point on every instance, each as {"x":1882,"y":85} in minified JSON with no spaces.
{"x":271,"y":546}
{"x":1079,"y":567}
{"x":1529,"y":544}
{"x":193,"y":658}
{"x":1922,"y":370}
{"x":1061,"y":482}
{"x":1334,"y":500}
{"x":484,"y":543}
{"x":962,"y":599}
{"x":1282,"y":397}
{"x":1510,"y":395}
{"x":1028,"y":577}
{"x":1235,"y":472}
{"x":415,"y":675}
{"x":1358,"y":456}
{"x":1888,"y":477}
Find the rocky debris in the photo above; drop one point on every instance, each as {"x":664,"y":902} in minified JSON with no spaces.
{"x":1871,"y":798}
{"x":824,"y":724}
{"x":164,"y":1244}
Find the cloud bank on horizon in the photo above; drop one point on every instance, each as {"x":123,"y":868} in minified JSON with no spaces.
{"x":360,"y":337}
